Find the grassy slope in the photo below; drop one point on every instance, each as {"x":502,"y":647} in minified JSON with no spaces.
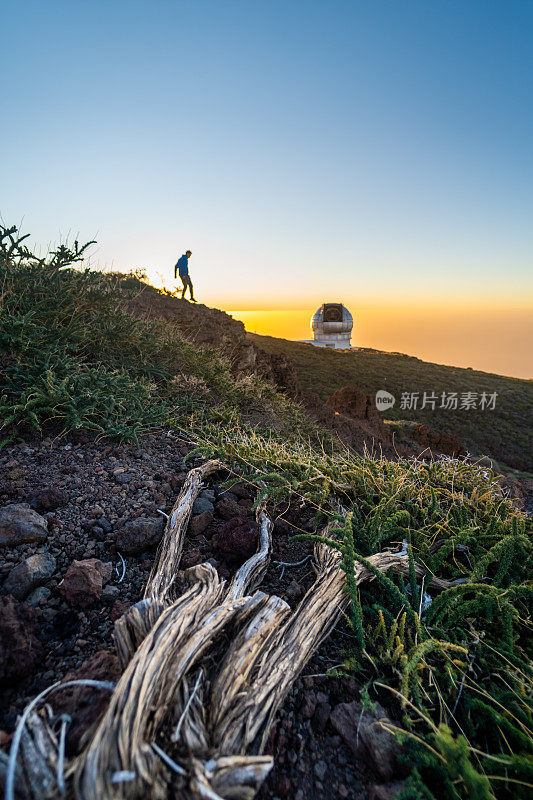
{"x":504,"y":434}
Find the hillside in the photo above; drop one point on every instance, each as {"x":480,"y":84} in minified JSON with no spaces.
{"x":267,"y":597}
{"x":504,"y":434}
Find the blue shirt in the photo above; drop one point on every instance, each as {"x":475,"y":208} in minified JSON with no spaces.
{"x":183,"y":266}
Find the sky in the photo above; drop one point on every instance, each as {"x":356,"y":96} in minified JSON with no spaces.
{"x":375,"y":153}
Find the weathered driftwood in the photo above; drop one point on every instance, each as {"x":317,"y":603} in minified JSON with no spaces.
{"x":205,"y":671}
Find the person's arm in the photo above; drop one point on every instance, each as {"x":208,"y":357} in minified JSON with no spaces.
{"x":175,"y":270}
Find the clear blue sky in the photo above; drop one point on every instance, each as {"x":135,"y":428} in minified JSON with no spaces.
{"x":379,"y":148}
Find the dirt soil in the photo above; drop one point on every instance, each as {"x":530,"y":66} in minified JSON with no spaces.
{"x":98,"y":488}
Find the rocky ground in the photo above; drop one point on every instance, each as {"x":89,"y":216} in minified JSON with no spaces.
{"x":79,"y":526}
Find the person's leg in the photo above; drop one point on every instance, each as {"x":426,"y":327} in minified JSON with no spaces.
{"x":184,"y":282}
{"x":191,"y":290}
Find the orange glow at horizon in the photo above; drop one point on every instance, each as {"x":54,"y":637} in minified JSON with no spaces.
{"x":487,"y":339}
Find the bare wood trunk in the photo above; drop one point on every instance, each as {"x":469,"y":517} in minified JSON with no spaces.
{"x":206,"y":672}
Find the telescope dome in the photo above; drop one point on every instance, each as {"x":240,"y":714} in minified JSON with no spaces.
{"x":332,"y":326}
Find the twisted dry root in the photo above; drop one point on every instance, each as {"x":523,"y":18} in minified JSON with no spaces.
{"x":206,"y":672}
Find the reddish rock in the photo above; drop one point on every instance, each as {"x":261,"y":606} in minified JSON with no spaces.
{"x":367,"y":430}
{"x":283,"y":786}
{"x":228,"y":509}
{"x":237,"y":539}
{"x":199,"y":522}
{"x":307,"y":709}
{"x":5,"y":739}
{"x":354,"y":403}
{"x":20,"y":650}
{"x":86,"y":704}
{"x":119,"y":608}
{"x":191,"y":558}
{"x":48,"y":499}
{"x":446,"y":443}
{"x":243,"y":490}
{"x":84,"y":581}
{"x":177,"y":481}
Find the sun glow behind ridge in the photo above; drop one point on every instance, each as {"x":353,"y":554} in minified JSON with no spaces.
{"x":487,"y":339}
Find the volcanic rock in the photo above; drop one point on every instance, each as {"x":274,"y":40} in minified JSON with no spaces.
{"x":39,"y":596}
{"x":201,"y":505}
{"x":20,"y":650}
{"x":140,"y":534}
{"x":191,"y":558}
{"x":228,"y":509}
{"x":30,"y":573}
{"x":363,"y":732}
{"x":237,"y":539}
{"x":446,"y":443}
{"x":86,"y":704}
{"x":20,"y":524}
{"x":199,"y":523}
{"x":48,"y":499}
{"x":84,"y":581}
{"x":354,"y":403}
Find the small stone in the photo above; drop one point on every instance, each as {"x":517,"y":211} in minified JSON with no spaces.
{"x":225,"y":494}
{"x":320,"y":770}
{"x":98,"y":533}
{"x":191,"y":558}
{"x":84,"y":581}
{"x":124,"y":478}
{"x":104,"y":523}
{"x":228,"y":509}
{"x":39,"y":596}
{"x":110,"y":592}
{"x":202,"y":504}
{"x":283,"y":786}
{"x":118,"y":609}
{"x":294,"y":591}
{"x":48,"y":499}
{"x":30,"y":573}
{"x":139,"y":534}
{"x":321,"y":717}
{"x":5,"y":738}
{"x":20,"y":524}
{"x":199,"y":523}
{"x":237,"y":539}
{"x":208,"y":494}
{"x":307,"y":709}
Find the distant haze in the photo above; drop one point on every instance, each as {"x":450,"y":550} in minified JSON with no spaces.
{"x":492,"y":341}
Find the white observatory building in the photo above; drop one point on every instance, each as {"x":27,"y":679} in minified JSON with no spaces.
{"x":332,"y":326}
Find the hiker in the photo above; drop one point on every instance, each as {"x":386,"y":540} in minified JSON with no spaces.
{"x":183,"y":266}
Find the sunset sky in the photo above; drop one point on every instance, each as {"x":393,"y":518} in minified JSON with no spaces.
{"x":376,"y":153}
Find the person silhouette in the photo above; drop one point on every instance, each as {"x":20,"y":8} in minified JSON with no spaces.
{"x":182,"y":266}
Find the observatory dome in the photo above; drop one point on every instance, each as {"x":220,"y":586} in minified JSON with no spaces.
{"x":332,"y":326}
